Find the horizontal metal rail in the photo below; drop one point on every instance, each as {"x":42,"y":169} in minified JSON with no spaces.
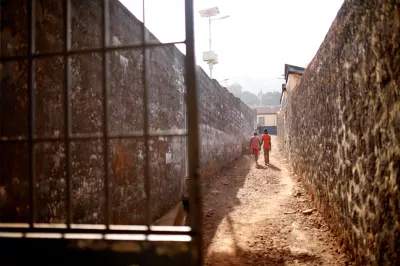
{"x":93,"y":137}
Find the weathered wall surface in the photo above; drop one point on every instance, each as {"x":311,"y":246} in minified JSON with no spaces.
{"x":283,"y":125}
{"x":344,"y":129}
{"x":224,"y":119}
{"x":225,"y":124}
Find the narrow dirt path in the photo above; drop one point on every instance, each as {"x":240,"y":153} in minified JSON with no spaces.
{"x":253,"y":216}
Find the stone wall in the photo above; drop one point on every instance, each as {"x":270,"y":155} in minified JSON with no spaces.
{"x":226,"y":123}
{"x":225,"y":120}
{"x":344,"y":129}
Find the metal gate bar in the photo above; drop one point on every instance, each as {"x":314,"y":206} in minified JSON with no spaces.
{"x":146,"y":119}
{"x":67,"y":109}
{"x":106,"y":59}
{"x":148,"y":233}
{"x":31,"y":119}
{"x":196,"y":217}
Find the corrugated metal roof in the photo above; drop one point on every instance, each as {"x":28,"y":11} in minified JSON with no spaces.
{"x":293,"y":69}
{"x":268,"y":109}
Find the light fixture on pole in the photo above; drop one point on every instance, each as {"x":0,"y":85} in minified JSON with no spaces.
{"x":224,"y":81}
{"x":210,"y":56}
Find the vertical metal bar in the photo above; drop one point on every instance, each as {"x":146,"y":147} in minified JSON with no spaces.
{"x":147,"y":183}
{"x":196,"y":218}
{"x":31,"y":116}
{"x":67,"y":109}
{"x":105,"y":34}
{"x":209,"y":32}
{"x":184,"y":185}
{"x":210,"y":66}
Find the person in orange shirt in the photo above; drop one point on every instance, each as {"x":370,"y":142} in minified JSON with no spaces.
{"x":266,"y":139}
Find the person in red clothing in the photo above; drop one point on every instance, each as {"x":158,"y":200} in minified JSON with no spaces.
{"x":255,"y":145}
{"x":266,"y":139}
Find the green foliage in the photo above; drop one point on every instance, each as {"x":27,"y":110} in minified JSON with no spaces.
{"x":235,"y":89}
{"x":251,"y":99}
{"x":271,"y":98}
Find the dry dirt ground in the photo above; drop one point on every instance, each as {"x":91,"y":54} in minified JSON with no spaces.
{"x":253,"y":216}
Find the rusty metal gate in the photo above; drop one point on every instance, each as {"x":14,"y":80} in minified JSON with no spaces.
{"x":102,"y":244}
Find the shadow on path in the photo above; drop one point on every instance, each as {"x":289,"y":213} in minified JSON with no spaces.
{"x":273,"y":167}
{"x":270,"y":256}
{"x":220,"y":192}
{"x":269,"y":166}
{"x":274,"y":257}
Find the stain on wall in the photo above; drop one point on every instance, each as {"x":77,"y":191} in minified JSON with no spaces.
{"x":343,"y":123}
{"x":225,"y":121}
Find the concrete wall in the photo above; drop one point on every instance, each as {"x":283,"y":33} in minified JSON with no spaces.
{"x":226,"y":124}
{"x":340,"y":129}
{"x":283,"y":116}
{"x":225,"y":120}
{"x":272,"y":130}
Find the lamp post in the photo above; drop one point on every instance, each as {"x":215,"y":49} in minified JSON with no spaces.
{"x":209,"y":26}
{"x":225,"y":81}
{"x":210,"y":56}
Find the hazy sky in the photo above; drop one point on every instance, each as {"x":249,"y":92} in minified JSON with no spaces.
{"x":255,"y":42}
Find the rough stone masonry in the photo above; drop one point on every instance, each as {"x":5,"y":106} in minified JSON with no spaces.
{"x":225,"y":120}
{"x":343,"y":123}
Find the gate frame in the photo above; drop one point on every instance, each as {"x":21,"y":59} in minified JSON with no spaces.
{"x":76,"y":243}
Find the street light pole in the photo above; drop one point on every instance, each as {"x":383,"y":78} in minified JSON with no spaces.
{"x":210,"y":57}
{"x":209,"y":32}
{"x":210,"y":66}
{"x":225,"y":81}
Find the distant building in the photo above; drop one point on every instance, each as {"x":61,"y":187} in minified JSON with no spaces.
{"x":292,"y":77}
{"x":266,"y":117}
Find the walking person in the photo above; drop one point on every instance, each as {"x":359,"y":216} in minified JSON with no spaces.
{"x":266,"y":139}
{"x":255,"y":146}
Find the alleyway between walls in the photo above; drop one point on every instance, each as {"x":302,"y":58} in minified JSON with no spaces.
{"x":253,"y":215}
